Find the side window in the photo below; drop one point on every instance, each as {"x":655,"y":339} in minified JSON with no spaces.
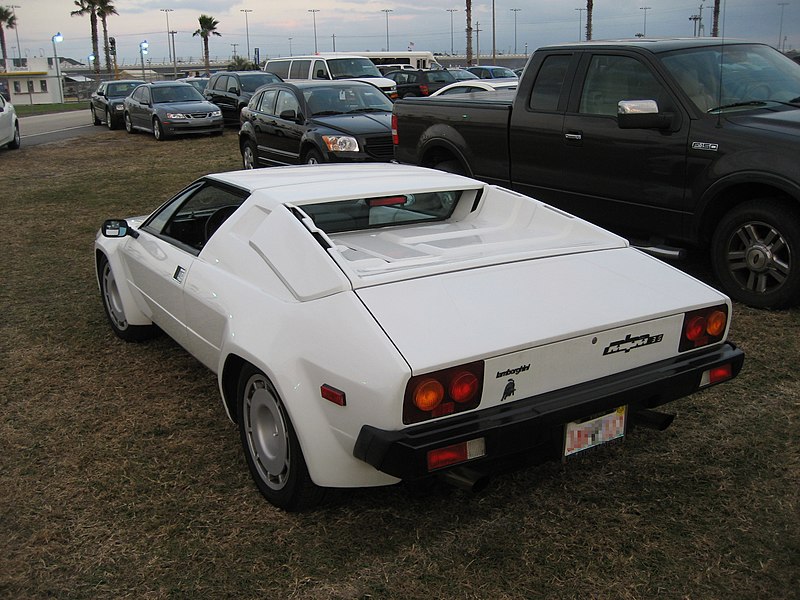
{"x":193,"y":216}
{"x":320,"y":70}
{"x":610,"y":79}
{"x":549,"y":82}
{"x":234,"y":85}
{"x":299,"y":69}
{"x":146,"y":95}
{"x":221,"y":83}
{"x":287,"y":101}
{"x":267,"y":103}
{"x":279,"y":68}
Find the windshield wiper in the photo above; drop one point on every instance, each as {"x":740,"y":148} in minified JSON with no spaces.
{"x":737,"y":105}
{"x":324,"y":113}
{"x":368,"y":109}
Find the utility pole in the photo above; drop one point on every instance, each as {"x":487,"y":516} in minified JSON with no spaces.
{"x":580,"y":22}
{"x":387,"y":11}
{"x":451,"y":11}
{"x":174,"y":57}
{"x":334,"y":41}
{"x":780,"y":29}
{"x":645,"y":9}
{"x":494,"y":45}
{"x":478,"y":43}
{"x":515,"y":11}
{"x":234,"y":50}
{"x":247,"y":29}
{"x":166,"y":11}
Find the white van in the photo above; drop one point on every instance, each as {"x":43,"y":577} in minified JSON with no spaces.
{"x":331,"y":65}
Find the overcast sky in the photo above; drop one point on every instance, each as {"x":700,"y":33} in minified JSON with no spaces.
{"x":362,"y":24}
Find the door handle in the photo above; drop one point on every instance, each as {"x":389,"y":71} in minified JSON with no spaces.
{"x":574,"y":135}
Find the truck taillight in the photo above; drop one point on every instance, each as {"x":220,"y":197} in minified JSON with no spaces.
{"x":394,"y":130}
{"x":443,"y":392}
{"x":703,"y":327}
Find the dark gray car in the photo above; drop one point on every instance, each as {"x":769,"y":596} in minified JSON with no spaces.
{"x":169,"y":108}
{"x":106,"y":102}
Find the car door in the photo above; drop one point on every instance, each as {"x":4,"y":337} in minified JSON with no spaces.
{"x":264,"y":121}
{"x":6,"y":122}
{"x":98,"y":101}
{"x":141,"y":107}
{"x":283,"y":141}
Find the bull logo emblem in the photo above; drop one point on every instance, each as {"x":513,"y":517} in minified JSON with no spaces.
{"x":511,"y":387}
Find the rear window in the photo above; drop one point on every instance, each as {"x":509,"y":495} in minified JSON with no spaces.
{"x":279,"y":67}
{"x":382,"y":211}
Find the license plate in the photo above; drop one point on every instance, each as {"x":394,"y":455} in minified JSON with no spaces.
{"x":582,"y":435}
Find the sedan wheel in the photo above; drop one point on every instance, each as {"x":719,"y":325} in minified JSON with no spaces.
{"x":15,"y":143}
{"x":756,"y":254}
{"x":270,"y":445}
{"x":249,"y":155}
{"x":128,"y":123}
{"x":95,"y":118}
{"x":158,"y":130}
{"x":115,"y":311}
{"x":109,"y":120}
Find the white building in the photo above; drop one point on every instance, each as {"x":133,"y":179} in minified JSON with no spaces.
{"x":34,"y":81}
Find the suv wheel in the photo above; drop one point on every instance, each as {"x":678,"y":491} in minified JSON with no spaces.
{"x":249,"y":155}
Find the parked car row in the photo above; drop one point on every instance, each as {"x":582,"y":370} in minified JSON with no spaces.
{"x":9,"y":125}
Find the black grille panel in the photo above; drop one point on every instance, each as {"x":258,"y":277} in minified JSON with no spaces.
{"x":380,"y":147}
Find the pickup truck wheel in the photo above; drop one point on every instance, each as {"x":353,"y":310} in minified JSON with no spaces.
{"x":755,"y":252}
{"x":115,"y":311}
{"x":313,"y":157}
{"x":270,"y":444}
{"x":249,"y":155}
{"x":450,"y":166}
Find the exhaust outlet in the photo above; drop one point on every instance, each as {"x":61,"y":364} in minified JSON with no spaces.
{"x":466,"y":479}
{"x":652,"y":419}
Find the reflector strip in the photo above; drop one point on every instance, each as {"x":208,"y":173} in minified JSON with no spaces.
{"x":455,"y":454}
{"x":331,"y":393}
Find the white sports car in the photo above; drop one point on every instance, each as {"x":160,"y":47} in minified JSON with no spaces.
{"x":374,"y":323}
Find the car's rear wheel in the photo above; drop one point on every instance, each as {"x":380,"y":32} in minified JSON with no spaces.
{"x":249,"y":155}
{"x":109,"y":120}
{"x":115,"y":311}
{"x":158,"y":130}
{"x":755,"y":252}
{"x":128,"y":123}
{"x":270,"y":444}
{"x":313,"y":157}
{"x":15,"y":141}
{"x":95,"y":119}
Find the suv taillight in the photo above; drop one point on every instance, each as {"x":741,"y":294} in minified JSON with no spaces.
{"x":443,"y":392}
{"x":394,"y":130}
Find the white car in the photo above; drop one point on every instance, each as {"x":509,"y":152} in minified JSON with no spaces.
{"x":372,"y":323}
{"x":9,"y":125}
{"x":476,"y":85}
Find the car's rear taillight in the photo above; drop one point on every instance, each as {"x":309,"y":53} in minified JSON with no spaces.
{"x":703,"y":327}
{"x":394,"y":130}
{"x":443,"y":392}
{"x":423,"y":89}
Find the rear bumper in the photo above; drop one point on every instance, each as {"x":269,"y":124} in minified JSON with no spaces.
{"x":531,"y":429}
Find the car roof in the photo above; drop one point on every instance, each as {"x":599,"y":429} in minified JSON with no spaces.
{"x":654,"y":45}
{"x":302,"y":84}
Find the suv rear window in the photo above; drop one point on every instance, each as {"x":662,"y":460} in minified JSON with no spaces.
{"x":279,"y":67}
{"x":383,"y":211}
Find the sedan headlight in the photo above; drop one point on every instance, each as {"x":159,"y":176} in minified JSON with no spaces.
{"x":216,"y":113}
{"x":119,"y":107}
{"x":340,"y":143}
{"x":176,"y":116}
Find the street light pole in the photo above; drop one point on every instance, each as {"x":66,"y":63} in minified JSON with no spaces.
{"x":515,"y":11}
{"x":58,"y":38}
{"x":645,"y":9}
{"x":142,"y":51}
{"x":290,"y":46}
{"x":174,"y":56}
{"x":314,"y":12}
{"x":580,"y":21}
{"x":247,"y":29}
{"x":451,"y":11}
{"x":780,"y":29}
{"x":494,"y":37}
{"x":387,"y":11}
{"x":166,"y":11}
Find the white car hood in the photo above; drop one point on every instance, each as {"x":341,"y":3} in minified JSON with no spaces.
{"x":441,"y":321}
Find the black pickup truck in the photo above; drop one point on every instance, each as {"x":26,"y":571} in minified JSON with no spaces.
{"x":676,"y":144}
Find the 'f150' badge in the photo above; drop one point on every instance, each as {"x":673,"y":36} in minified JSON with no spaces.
{"x":632,"y":343}
{"x":705,"y":146}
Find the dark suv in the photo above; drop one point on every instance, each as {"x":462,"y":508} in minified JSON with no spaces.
{"x":421,"y":82}
{"x":232,"y":90}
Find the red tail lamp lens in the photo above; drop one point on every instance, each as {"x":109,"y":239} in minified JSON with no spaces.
{"x":463,"y":387}
{"x":703,"y":327}
{"x":428,"y":394}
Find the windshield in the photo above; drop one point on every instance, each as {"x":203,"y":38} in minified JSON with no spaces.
{"x":252,"y":81}
{"x":345,"y":68}
{"x":734,"y":75}
{"x":176,"y":93}
{"x":333,"y":100}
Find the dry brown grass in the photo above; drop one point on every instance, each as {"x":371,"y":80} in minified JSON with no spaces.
{"x":120,"y":476}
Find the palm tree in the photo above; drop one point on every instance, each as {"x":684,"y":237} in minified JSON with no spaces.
{"x":242,"y":63}
{"x":715,"y":25}
{"x":589,"y":9}
{"x":9,"y":21}
{"x":105,"y":9}
{"x":208,"y":27}
{"x":469,"y":33}
{"x":89,"y":7}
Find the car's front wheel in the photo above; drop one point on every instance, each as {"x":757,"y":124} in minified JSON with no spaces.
{"x":270,"y":444}
{"x":249,"y":155}
{"x":114,"y":309}
{"x":158,"y":130}
{"x":313,"y":157}
{"x":109,"y":120}
{"x":128,"y":123}
{"x":755,"y":252}
{"x":15,"y":141}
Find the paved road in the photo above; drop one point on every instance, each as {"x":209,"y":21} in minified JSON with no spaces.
{"x":42,"y":129}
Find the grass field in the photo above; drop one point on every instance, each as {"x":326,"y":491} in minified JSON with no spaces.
{"x":120,"y":476}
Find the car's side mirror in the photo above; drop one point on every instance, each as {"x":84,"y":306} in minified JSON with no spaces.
{"x":233,"y":90}
{"x":289,"y":115}
{"x":641,"y":114}
{"x":118,"y":228}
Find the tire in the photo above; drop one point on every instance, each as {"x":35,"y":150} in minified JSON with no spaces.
{"x":313,"y":157}
{"x":158,"y":130}
{"x":15,"y":142}
{"x":115,"y":312}
{"x":270,"y":445}
{"x":249,"y":155}
{"x":128,"y":123}
{"x":110,"y":120}
{"x":95,"y":119}
{"x":755,"y":253}
{"x":450,"y":166}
